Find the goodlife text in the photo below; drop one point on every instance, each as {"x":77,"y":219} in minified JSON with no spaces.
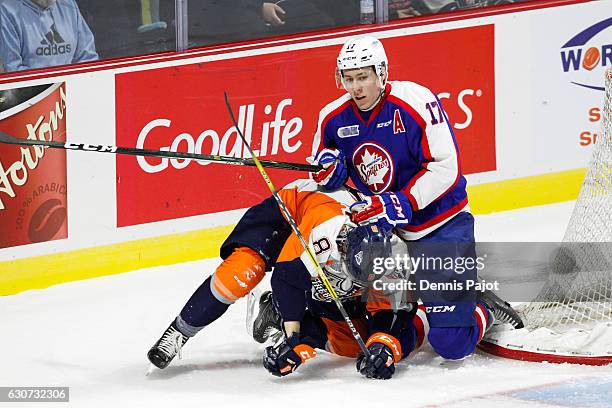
{"x":275,"y":134}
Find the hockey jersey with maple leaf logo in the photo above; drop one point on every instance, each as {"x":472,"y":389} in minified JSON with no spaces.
{"x":405,"y":145}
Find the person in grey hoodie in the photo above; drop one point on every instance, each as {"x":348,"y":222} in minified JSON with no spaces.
{"x":43,"y":33}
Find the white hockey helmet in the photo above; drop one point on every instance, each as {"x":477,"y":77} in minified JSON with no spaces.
{"x":363,"y":52}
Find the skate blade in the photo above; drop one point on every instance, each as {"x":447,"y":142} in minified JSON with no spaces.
{"x":150,"y":370}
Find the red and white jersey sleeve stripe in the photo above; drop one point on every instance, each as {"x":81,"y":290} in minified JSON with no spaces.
{"x":440,"y":171}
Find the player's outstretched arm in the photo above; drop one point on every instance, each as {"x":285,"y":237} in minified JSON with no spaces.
{"x":290,"y":281}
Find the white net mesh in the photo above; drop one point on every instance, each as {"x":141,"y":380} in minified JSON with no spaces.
{"x":579,"y":295}
{"x":571,"y":318}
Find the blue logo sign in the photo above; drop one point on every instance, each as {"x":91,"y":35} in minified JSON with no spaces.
{"x":583,"y":54}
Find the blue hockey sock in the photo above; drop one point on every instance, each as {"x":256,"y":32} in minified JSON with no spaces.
{"x":201,"y":309}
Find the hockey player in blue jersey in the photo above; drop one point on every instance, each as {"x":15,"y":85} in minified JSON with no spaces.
{"x":393,"y":140}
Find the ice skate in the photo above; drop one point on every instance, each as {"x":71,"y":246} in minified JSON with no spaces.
{"x":267,"y":323}
{"x":501,"y":310}
{"x":167,"y":347}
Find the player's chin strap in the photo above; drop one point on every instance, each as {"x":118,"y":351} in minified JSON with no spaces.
{"x":380,"y":95}
{"x":382,"y":92}
{"x":297,"y":232}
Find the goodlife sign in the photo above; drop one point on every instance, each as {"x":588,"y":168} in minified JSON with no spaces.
{"x":276,"y":99}
{"x":274,"y":134}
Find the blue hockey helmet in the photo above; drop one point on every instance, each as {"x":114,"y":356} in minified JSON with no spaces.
{"x":361,"y":247}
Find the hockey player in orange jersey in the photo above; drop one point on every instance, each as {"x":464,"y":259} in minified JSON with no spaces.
{"x":390,"y":322}
{"x":252,"y":248}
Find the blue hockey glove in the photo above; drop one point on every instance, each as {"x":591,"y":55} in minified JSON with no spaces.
{"x":389,"y":210}
{"x":334,"y":172}
{"x":285,"y":358}
{"x":384,"y":352}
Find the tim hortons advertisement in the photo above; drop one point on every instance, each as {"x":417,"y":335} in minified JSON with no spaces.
{"x":33,"y":179}
{"x":276,"y":99}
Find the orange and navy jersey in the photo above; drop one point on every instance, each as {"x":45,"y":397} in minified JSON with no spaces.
{"x":320,"y":217}
{"x":311,"y":209}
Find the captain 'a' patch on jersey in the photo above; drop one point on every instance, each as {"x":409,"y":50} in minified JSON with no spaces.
{"x":398,"y":123}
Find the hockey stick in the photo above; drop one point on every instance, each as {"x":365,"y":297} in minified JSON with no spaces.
{"x":4,"y":138}
{"x":295,"y":228}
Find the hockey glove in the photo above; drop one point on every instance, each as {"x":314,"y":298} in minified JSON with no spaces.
{"x":334,"y":172}
{"x":289,"y":355}
{"x":385,"y":351}
{"x":389,"y":210}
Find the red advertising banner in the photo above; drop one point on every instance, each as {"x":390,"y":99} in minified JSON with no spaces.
{"x":33,"y":179}
{"x":276,"y":99}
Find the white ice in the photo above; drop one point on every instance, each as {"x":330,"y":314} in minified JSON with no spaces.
{"x":93,"y":336}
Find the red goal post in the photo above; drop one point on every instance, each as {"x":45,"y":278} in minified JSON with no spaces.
{"x":570,"y":320}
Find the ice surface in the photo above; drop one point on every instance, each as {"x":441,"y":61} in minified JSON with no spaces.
{"x":93,"y":336}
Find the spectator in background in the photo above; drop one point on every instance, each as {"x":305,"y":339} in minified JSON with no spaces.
{"x":150,"y":11}
{"x":344,"y":12}
{"x":43,"y":33}
{"x":130,"y":27}
{"x":411,"y":8}
{"x":216,"y":21}
{"x":290,"y":16}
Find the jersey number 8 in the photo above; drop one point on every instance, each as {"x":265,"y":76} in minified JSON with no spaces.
{"x":321,"y":246}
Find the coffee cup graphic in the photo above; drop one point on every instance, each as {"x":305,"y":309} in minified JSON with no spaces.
{"x":33,"y":182}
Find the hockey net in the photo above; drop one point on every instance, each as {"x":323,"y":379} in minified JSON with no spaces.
{"x":570,"y":320}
